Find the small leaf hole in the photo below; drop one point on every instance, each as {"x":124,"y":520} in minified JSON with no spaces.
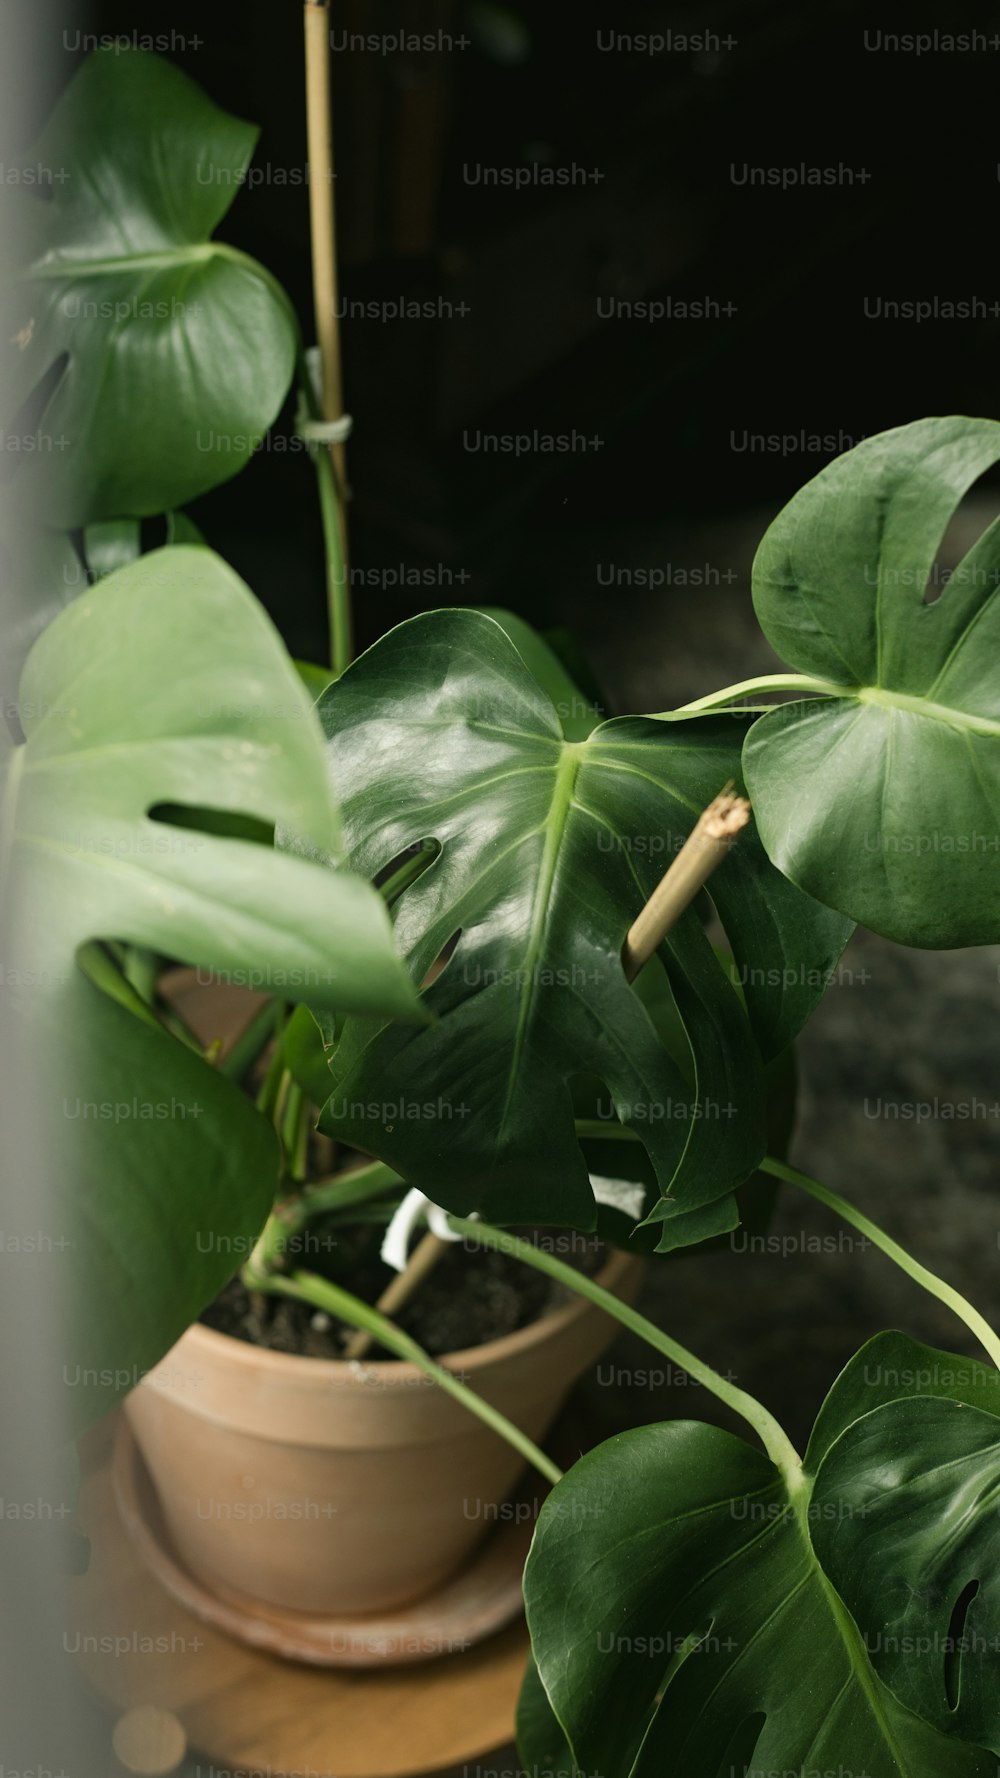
{"x":405,"y":868}
{"x":738,"y":1757}
{"x":954,"y":1646}
{"x":227,"y":824}
{"x":441,"y":961}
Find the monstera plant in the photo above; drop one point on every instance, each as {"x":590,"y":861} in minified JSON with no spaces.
{"x":432,"y":866}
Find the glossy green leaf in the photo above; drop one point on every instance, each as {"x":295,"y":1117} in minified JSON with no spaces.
{"x":111,"y":543}
{"x":907,"y":1506}
{"x":546,"y":849}
{"x":578,"y":717}
{"x":538,"y":1729}
{"x":893,"y":1367}
{"x":179,"y":349}
{"x":629,"y":1160}
{"x":883,"y":798}
{"x":683,"y":1627}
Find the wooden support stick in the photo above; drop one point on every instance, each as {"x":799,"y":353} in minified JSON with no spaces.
{"x":702,"y":852}
{"x":422,"y":1260}
{"x":322,"y":221}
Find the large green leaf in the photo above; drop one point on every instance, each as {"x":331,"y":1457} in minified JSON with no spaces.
{"x":542,"y":851}
{"x":907,"y":1511}
{"x":180,"y":348}
{"x":163,"y":1176}
{"x":683,"y":1626}
{"x":165,"y":688}
{"x":883,"y":798}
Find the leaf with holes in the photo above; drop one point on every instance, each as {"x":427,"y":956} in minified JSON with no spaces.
{"x":541,"y":851}
{"x":683,"y":1624}
{"x":907,"y":1507}
{"x":178,"y":350}
{"x":165,"y":688}
{"x":882,"y":798}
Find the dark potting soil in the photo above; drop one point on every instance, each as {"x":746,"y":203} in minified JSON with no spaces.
{"x":468,"y":1299}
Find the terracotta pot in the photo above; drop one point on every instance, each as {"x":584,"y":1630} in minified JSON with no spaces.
{"x":337,"y":1488}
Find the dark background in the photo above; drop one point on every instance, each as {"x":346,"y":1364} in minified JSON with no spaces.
{"x":668,"y":398}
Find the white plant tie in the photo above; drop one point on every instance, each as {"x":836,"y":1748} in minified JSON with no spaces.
{"x":618,"y":1194}
{"x":319,"y":432}
{"x":395,"y":1246}
{"x":323,"y":432}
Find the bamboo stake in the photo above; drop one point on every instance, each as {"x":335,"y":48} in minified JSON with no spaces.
{"x":422,"y":1261}
{"x":702,"y":852}
{"x":322,"y":221}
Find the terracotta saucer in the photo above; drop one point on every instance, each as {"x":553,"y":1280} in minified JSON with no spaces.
{"x":481,"y":1598}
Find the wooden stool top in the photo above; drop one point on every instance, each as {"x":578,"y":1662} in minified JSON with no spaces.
{"x":240,"y":1710}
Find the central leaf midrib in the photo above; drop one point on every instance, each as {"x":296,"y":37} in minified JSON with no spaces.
{"x":850,"y":1636}
{"x":921,"y":706}
{"x":555,"y":828}
{"x":110,"y":264}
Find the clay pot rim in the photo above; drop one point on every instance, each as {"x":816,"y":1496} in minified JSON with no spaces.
{"x":471,"y":1358}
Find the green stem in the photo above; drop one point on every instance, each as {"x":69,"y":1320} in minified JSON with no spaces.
{"x":306,"y":1287}
{"x":293,"y":1214}
{"x":408,"y":873}
{"x":772,"y":1436}
{"x":267,"y":1098}
{"x":765,"y":682}
{"x":341,"y":1192}
{"x":180,"y":1029}
{"x":107,"y":966}
{"x":338,"y":592}
{"x":591,"y":1128}
{"x":285,"y":1086}
{"x":338,"y":596}
{"x":101,"y":969}
{"x":142,"y":969}
{"x":293,"y":1123}
{"x":929,"y":1281}
{"x":251,"y":1042}
{"x":300,"y":1148}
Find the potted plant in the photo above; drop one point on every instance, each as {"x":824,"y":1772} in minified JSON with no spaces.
{"x":167,"y":740}
{"x":695,"y":1605}
{"x":166,"y":737}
